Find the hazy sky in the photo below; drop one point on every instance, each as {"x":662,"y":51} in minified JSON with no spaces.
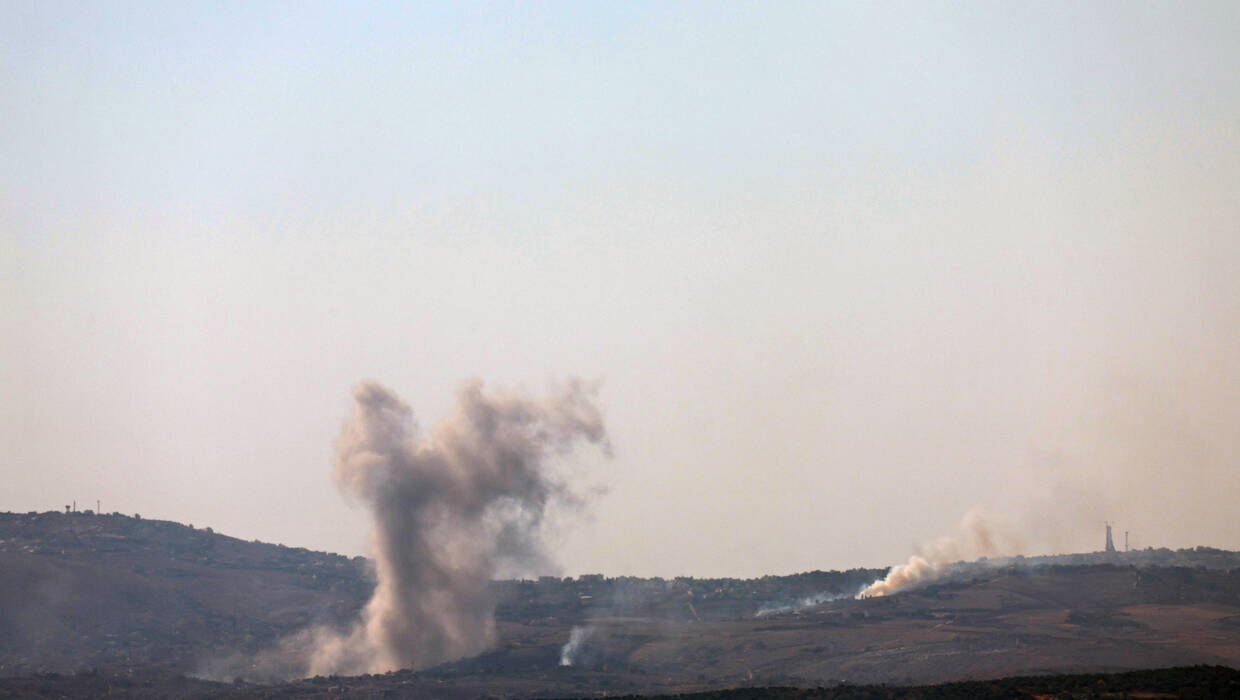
{"x":846,"y":270}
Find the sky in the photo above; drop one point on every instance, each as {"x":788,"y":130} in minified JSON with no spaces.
{"x":845,"y":271}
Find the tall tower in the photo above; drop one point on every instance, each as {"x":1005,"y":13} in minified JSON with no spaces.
{"x":1110,"y":542}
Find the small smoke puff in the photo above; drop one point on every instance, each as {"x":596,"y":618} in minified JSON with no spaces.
{"x":576,"y":638}
{"x":449,"y":508}
{"x":979,"y":534}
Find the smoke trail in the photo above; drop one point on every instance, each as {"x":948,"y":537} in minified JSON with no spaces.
{"x":576,"y":637}
{"x":811,"y":601}
{"x":448,"y":510}
{"x":978,"y":535}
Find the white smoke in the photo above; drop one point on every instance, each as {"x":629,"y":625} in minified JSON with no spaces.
{"x":979,"y":534}
{"x":576,"y":637}
{"x":811,"y":601}
{"x":449,"y":509}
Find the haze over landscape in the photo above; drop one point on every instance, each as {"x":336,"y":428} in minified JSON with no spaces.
{"x":810,"y":351}
{"x":844,"y":273}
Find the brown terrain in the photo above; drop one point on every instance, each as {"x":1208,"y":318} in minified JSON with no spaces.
{"x":137,"y":604}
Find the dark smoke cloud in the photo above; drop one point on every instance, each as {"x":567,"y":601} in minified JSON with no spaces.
{"x":449,"y":509}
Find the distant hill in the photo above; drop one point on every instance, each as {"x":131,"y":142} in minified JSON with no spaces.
{"x":148,"y":600}
{"x":111,"y":591}
{"x":83,"y":590}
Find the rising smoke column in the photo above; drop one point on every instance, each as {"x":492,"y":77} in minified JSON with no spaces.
{"x":576,"y":637}
{"x":448,"y":509}
{"x":979,"y":534}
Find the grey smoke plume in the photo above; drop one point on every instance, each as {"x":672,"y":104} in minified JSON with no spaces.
{"x":449,"y":508}
{"x":979,"y":534}
{"x":576,"y":637}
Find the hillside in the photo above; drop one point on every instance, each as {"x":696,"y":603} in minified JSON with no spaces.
{"x":111,"y":591}
{"x":154,"y":599}
{"x":81,"y":590}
